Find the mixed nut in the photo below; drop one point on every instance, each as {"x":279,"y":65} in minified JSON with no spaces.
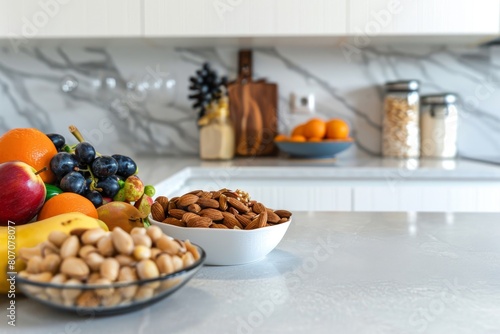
{"x":96,"y":257}
{"x":224,"y":209}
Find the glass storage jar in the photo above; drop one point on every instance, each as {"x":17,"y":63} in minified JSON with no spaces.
{"x":400,"y":130}
{"x":217,"y":138}
{"x":438,"y":126}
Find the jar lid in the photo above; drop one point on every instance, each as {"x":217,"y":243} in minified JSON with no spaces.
{"x":444,"y":98}
{"x":402,"y":86}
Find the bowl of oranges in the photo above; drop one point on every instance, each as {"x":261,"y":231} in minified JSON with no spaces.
{"x":316,"y":138}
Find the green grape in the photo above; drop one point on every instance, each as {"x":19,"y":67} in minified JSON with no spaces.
{"x":149,"y":190}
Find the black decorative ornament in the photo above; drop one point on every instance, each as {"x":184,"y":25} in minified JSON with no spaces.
{"x":205,"y":87}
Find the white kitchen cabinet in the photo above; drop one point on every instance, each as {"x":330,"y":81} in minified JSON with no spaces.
{"x":229,"y":18}
{"x":427,"y":196}
{"x":314,"y":189}
{"x":25,"y":19}
{"x":423,"y":17}
{"x":282,"y":195}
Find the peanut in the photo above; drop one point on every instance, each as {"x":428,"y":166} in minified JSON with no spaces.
{"x":70,"y":247}
{"x":75,"y":268}
{"x":122,"y":241}
{"x":90,"y":237}
{"x":142,"y":239}
{"x":147,"y":269}
{"x":105,"y":246}
{"x":94,"y":261}
{"x":142,"y":252}
{"x":109,"y":269}
{"x":57,"y":238}
{"x":154,"y":232}
{"x":51,"y":263}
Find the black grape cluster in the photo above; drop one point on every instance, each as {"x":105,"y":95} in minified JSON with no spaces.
{"x":79,"y":169}
{"x":206,"y":86}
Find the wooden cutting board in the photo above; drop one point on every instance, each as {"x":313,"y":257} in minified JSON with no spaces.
{"x":254,"y":112}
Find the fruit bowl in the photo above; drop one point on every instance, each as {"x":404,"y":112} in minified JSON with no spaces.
{"x":112,"y":298}
{"x":316,"y":150}
{"x":228,"y":247}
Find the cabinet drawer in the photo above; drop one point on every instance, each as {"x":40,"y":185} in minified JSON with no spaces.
{"x":450,"y":197}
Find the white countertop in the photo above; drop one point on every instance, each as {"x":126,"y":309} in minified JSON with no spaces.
{"x":155,"y":169}
{"x":332,"y":273}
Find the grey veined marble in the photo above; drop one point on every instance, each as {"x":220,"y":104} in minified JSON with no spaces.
{"x":117,"y":118}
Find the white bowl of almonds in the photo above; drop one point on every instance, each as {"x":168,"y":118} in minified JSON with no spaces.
{"x":102,"y":273}
{"x":230,"y":227}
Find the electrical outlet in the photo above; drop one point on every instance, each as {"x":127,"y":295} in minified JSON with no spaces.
{"x":302,"y":104}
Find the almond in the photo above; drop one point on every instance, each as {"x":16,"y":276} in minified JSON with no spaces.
{"x":223,"y":202}
{"x":212,"y":214}
{"x":216,"y":194}
{"x":250,"y":215}
{"x":208,"y":203}
{"x":230,"y":220}
{"x":196,"y":192}
{"x":259,"y":221}
{"x":272,"y":217}
{"x":187,"y":199}
{"x":283,"y":213}
{"x":215,"y":225}
{"x":233,"y":211}
{"x":195,"y":208}
{"x":243,"y":220}
{"x":174,"y":221}
{"x":283,"y":220}
{"x":262,"y":218}
{"x":199,"y":222}
{"x":188,"y":215}
{"x":163,"y":201}
{"x":176,"y":213}
{"x":253,"y":225}
{"x":171,"y":205}
{"x":242,"y":208}
{"x":258,"y":208}
{"x":157,"y":211}
{"x":231,"y":194}
{"x":206,"y":194}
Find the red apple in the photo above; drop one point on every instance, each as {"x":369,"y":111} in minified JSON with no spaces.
{"x":23,"y":192}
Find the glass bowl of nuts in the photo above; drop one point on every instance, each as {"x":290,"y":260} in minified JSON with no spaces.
{"x":230,"y":227}
{"x":104,"y":273}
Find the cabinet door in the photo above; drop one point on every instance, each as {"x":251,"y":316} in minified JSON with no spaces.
{"x":244,"y":18}
{"x":408,"y":17}
{"x":294,"y":196}
{"x":425,"y":197}
{"x":69,"y":18}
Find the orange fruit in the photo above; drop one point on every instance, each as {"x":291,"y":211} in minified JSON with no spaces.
{"x":337,"y":129}
{"x":65,"y":203}
{"x":298,"y":130}
{"x":281,"y":137}
{"x":315,"y":128}
{"x":315,"y":139}
{"x":298,"y":138}
{"x":30,"y":146}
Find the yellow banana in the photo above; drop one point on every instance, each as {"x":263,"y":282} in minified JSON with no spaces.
{"x":30,"y":235}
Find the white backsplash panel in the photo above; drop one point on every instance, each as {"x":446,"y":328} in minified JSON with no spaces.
{"x":117,"y":116}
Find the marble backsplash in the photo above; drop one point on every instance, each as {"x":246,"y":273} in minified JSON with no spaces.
{"x":125,"y":120}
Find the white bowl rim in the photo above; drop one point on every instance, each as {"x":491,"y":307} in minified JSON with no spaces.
{"x":222,"y":230}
